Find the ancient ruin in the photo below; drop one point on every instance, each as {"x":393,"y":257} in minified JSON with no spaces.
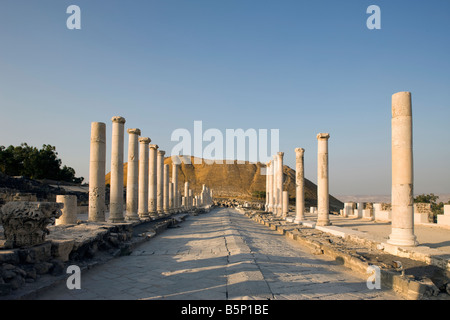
{"x":25,"y":223}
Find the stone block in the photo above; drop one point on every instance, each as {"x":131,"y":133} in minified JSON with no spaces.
{"x":443,"y":220}
{"x":420,"y":218}
{"x":61,"y":249}
{"x":383,"y":215}
{"x":447,"y":210}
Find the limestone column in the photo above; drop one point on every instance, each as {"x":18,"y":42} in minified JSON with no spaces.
{"x":69,"y":211}
{"x":266,"y":206}
{"x":191,"y":198}
{"x":323,"y":218}
{"x":186,"y":195}
{"x":166,"y":189}
{"x":143,"y":177}
{"x":285,"y":204}
{"x":116,"y":186}
{"x":160,"y":182}
{"x":171,"y":198}
{"x":175,"y":185}
{"x":299,"y":185}
{"x":132,"y":175}
{"x":270,"y":190}
{"x":280,"y":182}
{"x":97,"y":167}
{"x":275,"y":186}
{"x":152,"y":177}
{"x":402,"y":200}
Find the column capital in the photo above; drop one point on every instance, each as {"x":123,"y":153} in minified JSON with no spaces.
{"x":144,"y":140}
{"x":134,"y":131}
{"x":299,"y":152}
{"x":118,"y":119}
{"x":325,"y":136}
{"x":153,"y":146}
{"x":280,"y":154}
{"x":161,"y":152}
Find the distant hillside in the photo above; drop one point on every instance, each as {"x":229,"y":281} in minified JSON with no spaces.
{"x":237,"y":180}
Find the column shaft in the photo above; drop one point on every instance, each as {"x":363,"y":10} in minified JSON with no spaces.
{"x":116,"y":186}
{"x":402,"y":232}
{"x":160,"y":183}
{"x":299,"y":185}
{"x":143,"y":177}
{"x":132,"y":190}
{"x":322,"y":180}
{"x":97,"y":167}
{"x":152,"y":179}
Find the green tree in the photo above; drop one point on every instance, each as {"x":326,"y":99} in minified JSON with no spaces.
{"x":30,"y":162}
{"x":436,"y":208}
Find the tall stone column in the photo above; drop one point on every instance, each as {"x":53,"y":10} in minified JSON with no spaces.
{"x":171,"y":198}
{"x":275,"y":185}
{"x":160,"y":182}
{"x":266,"y":205}
{"x":166,"y":189}
{"x":132,"y":175}
{"x":323,"y":201}
{"x":270,"y":194}
{"x":186,"y":195}
{"x":402,"y":233}
{"x":97,"y":167}
{"x":285,"y":204}
{"x":280,"y":182}
{"x":116,"y":186}
{"x":299,"y":185}
{"x":175,"y":185}
{"x":143,"y":177}
{"x":152,"y":177}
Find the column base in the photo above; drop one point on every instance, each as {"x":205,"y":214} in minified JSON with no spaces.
{"x":116,"y":220}
{"x":402,"y":238}
{"x":323,"y":223}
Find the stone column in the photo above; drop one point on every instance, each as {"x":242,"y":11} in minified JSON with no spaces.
{"x":322,"y":180}
{"x":285,"y":204}
{"x":69,"y":211}
{"x":97,"y":167}
{"x":160,"y":182}
{"x":275,"y":186}
{"x":280,"y":182}
{"x":270,"y":190}
{"x":116,"y":186}
{"x":171,"y":198}
{"x":191,"y":198}
{"x":166,"y":189}
{"x":132,"y":175}
{"x":143,"y":177}
{"x":299,"y":185}
{"x":266,"y":205}
{"x":152,"y":177}
{"x":175,"y":185}
{"x":186,"y":195}
{"x":402,"y":232}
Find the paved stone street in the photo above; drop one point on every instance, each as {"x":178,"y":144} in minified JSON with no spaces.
{"x":217,"y":256}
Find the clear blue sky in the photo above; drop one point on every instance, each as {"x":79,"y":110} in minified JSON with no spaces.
{"x":303,"y":67}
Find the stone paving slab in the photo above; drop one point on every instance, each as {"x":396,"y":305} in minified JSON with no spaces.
{"x":221,"y":255}
{"x":357,"y":251}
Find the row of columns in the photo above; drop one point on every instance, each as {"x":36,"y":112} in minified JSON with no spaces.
{"x":149,"y":189}
{"x":277,"y":200}
{"x":402,"y":195}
